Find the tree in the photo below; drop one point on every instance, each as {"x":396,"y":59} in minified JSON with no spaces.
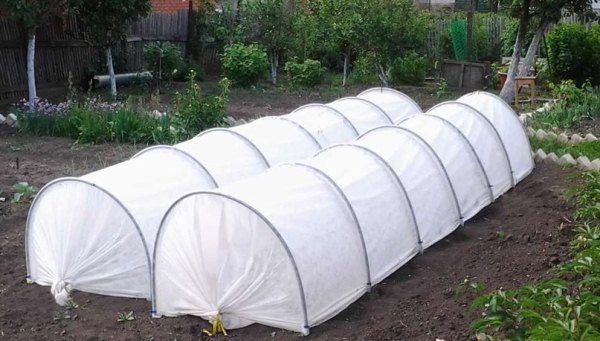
{"x":107,"y":22}
{"x":31,"y":14}
{"x":544,"y":12}
{"x":391,"y":29}
{"x":342,"y":22}
{"x":269,"y":23}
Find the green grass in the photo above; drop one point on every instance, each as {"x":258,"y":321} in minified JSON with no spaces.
{"x":591,"y":149}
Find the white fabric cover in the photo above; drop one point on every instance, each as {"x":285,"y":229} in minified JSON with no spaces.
{"x":396,"y":104}
{"x":343,"y":215}
{"x":236,"y":276}
{"x":379,"y":202}
{"x":363,"y":114}
{"x":326,"y":124}
{"x":72,"y":242}
{"x":228,"y":157}
{"x":509,"y":127}
{"x":462,"y":164}
{"x":485,"y":140}
{"x":81,"y":236}
{"x":278,"y":139}
{"x":428,"y":188}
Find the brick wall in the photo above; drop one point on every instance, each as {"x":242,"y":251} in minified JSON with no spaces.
{"x":171,"y":5}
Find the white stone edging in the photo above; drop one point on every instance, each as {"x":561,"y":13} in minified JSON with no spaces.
{"x":582,"y":162}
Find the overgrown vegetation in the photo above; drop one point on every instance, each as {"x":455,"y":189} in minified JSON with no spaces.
{"x":91,"y":120}
{"x":566,"y":307}
{"x":409,"y":70}
{"x":573,"y":106}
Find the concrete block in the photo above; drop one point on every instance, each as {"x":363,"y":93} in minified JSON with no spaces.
{"x":575,"y":138}
{"x":12,"y":120}
{"x":590,"y":137}
{"x":2,"y":119}
{"x":551,"y":157}
{"x":564,"y":138}
{"x":540,"y":155}
{"x":540,"y":134}
{"x":583,"y":162}
{"x":567,"y":159}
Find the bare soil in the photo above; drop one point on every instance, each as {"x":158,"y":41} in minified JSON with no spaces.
{"x":517,"y":239}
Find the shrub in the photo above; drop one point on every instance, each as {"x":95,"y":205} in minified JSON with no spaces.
{"x":306,"y":74}
{"x":364,"y":70}
{"x":163,"y":59}
{"x":409,"y":69}
{"x":195,"y":113}
{"x":244,"y":64}
{"x":574,"y":53}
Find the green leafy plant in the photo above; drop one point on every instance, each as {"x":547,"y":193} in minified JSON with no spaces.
{"x":163,"y":59}
{"x":565,"y":308}
{"x":245,"y":65}
{"x":574,"y":53}
{"x":126,"y":317}
{"x":409,"y":69}
{"x":195,"y":112}
{"x":309,"y":73}
{"x":23,"y":191}
{"x":441,"y":88}
{"x":573,"y":106}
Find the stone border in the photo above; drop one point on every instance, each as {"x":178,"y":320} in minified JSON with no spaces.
{"x":582,"y":162}
{"x":562,"y":137}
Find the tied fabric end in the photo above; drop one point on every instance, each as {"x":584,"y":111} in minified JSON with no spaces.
{"x":61,"y":291}
{"x":217,"y":327}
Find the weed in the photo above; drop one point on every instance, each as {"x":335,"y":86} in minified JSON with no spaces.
{"x":469,"y":286}
{"x":71,"y":305}
{"x":23,"y":191}
{"x":59,"y":316}
{"x":441,"y":88}
{"x":126,"y":317}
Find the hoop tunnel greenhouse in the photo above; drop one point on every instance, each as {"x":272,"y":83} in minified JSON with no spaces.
{"x":96,"y":233}
{"x":295,"y":245}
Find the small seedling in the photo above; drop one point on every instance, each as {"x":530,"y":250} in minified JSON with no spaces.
{"x":501,"y":235}
{"x":23,"y":190}
{"x":59,"y":316}
{"x":72,"y":305}
{"x":469,"y":285}
{"x":126,"y":317}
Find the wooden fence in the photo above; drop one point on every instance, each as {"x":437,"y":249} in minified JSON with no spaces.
{"x":64,"y":48}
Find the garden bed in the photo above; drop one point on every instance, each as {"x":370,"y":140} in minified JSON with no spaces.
{"x":512,"y":242}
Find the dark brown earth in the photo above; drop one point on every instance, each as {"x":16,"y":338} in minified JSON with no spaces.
{"x":515,"y":240}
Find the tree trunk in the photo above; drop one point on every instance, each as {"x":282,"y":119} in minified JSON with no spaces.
{"x":532,"y":50}
{"x":470,"y":19}
{"x":274,"y":66}
{"x":31,"y":68}
{"x":508,"y":90}
{"x":345,"y":76}
{"x":111,"y":73}
{"x":383,"y":75}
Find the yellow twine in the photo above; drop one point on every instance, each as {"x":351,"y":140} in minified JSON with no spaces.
{"x":217,"y":327}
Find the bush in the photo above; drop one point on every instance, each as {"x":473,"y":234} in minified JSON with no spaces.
{"x":306,"y":74}
{"x":245,"y":64}
{"x":195,"y":113}
{"x":364,"y":70}
{"x":409,"y":69}
{"x":163,"y":59}
{"x":574,"y":53}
